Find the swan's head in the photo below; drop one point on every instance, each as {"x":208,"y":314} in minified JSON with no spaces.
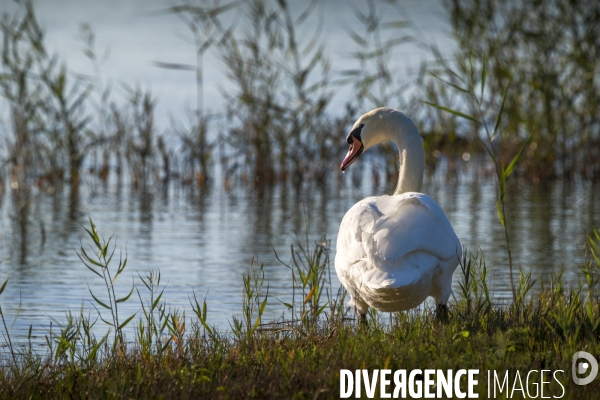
{"x":367,"y":131}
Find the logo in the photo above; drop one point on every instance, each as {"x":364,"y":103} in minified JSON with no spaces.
{"x":581,"y":367}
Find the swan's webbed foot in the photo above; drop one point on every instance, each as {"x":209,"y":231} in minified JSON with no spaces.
{"x":441,"y":312}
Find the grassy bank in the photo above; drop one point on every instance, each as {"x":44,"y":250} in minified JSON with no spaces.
{"x":174,"y":356}
{"x":287,"y":365}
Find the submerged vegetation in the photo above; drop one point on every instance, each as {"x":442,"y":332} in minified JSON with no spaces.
{"x":300,"y":356}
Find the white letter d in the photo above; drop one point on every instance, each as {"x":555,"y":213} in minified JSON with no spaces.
{"x":346,"y":374}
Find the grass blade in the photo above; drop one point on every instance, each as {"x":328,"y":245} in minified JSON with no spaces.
{"x":3,"y":286}
{"x":507,"y":171}
{"x":499,"y":116}
{"x":288,"y":305}
{"x":126,"y":322}
{"x":310,"y":294}
{"x":500,"y":213}
{"x":449,"y":83}
{"x":124,"y":299}
{"x":483,"y":73}
{"x":98,"y":300}
{"x":452,"y":111}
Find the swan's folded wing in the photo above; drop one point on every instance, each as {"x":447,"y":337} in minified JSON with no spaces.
{"x":356,"y":230}
{"x":412,"y":222}
{"x":386,"y":228}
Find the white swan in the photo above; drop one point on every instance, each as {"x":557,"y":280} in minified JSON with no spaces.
{"x":395,"y":251}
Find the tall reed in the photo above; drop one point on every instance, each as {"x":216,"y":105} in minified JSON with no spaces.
{"x":278,"y":122}
{"x":277,"y":109}
{"x":468,"y":85}
{"x":549,"y":52}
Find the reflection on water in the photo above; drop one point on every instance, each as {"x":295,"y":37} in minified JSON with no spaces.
{"x":205,"y":239}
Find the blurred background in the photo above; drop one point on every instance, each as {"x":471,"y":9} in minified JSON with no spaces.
{"x":206,"y":136}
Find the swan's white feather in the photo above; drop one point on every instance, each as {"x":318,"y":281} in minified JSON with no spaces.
{"x":395,"y":251}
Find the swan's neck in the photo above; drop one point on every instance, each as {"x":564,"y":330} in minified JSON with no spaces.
{"x":412,"y":155}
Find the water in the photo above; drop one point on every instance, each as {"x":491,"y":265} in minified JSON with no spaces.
{"x":205,"y":240}
{"x":135,"y":34}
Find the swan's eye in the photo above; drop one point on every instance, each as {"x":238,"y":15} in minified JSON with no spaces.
{"x":355,"y":133}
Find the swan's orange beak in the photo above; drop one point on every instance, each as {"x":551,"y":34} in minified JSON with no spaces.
{"x":355,"y":150}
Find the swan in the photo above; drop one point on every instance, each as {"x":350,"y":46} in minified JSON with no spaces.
{"x":395,"y":251}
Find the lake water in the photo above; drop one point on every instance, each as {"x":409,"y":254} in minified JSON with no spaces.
{"x":205,"y":239}
{"x":135,"y":34}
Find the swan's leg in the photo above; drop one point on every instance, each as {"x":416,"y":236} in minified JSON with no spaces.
{"x":442,"y":288}
{"x":360,"y":317}
{"x":441,"y":312}
{"x":361,"y":308}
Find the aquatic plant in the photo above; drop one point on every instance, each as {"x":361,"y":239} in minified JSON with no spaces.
{"x":467,"y":85}
{"x":548,"y":51}
{"x":278,"y":123}
{"x":49,"y":119}
{"x":281,"y":87}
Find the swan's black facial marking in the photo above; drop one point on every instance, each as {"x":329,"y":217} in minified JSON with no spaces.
{"x":355,"y":133}
{"x":356,"y":147}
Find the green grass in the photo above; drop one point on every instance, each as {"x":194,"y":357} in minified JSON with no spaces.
{"x":173,"y":356}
